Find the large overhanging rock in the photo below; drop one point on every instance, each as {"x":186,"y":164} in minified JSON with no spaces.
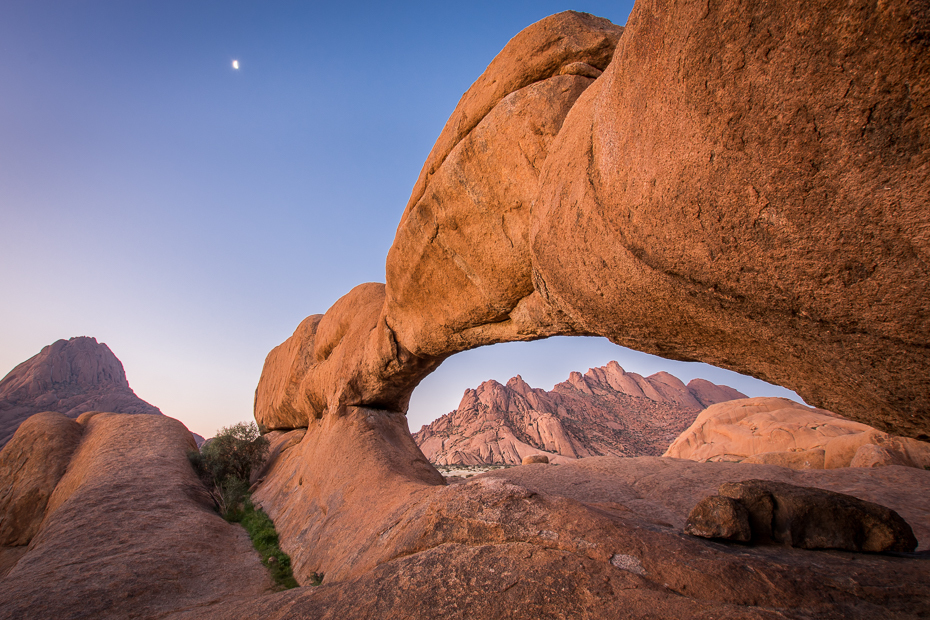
{"x":680,"y":203}
{"x":744,"y":185}
{"x":459,"y":274}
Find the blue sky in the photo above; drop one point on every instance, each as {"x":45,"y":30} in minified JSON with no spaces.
{"x":190,"y":215}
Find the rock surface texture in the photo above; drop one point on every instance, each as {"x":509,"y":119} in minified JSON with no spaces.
{"x":589,"y":538}
{"x":738,"y":183}
{"x":109,"y":520}
{"x":731,"y":189}
{"x":70,"y":377}
{"x":778,"y":431}
{"x":762,"y":511}
{"x":605,"y":411}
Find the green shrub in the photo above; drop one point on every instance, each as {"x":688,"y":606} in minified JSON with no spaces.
{"x":265,"y":540}
{"x":235,"y":451}
{"x":226,"y":462}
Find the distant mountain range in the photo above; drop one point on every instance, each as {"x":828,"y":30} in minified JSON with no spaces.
{"x":70,"y":377}
{"x":606,"y":411}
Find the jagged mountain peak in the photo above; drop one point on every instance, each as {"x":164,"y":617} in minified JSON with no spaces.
{"x":601,"y":412}
{"x":68,"y":376}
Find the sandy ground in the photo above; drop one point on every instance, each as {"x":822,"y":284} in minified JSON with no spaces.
{"x":467,"y":471}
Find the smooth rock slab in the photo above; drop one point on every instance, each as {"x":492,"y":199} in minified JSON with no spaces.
{"x":129,"y":531}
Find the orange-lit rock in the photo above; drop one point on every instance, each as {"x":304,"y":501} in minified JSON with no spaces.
{"x":778,"y":431}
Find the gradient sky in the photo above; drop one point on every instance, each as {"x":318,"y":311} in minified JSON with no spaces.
{"x":190,"y":215}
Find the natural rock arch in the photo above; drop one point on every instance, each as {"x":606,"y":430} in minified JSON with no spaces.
{"x":744,"y":185}
{"x":717,"y":194}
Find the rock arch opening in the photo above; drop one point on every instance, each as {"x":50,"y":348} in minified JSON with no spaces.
{"x":564,"y":398}
{"x":544,"y":363}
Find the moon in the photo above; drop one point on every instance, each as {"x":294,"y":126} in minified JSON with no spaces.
{"x":235,"y":64}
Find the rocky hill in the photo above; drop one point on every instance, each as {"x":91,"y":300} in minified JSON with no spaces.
{"x":778,"y":431}
{"x":606,"y":411}
{"x":70,"y":377}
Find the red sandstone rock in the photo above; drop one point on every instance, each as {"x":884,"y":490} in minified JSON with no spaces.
{"x":778,"y":431}
{"x":70,"y":377}
{"x":603,"y":412}
{"x":687,"y":204}
{"x":556,"y":45}
{"x":597,"y":535}
{"x":31,"y":466}
{"x":816,"y":519}
{"x":744,"y":186}
{"x":128,"y":531}
{"x":719,"y":516}
{"x":650,"y":209}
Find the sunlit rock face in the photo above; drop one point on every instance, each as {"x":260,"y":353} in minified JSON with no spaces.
{"x":778,"y":431}
{"x":459,"y":274}
{"x":604,"y":412}
{"x":746,"y":185}
{"x":69,"y":377}
{"x":732,"y":189}
{"x":739,"y":184}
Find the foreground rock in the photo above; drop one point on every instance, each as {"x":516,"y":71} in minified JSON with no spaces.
{"x":110,"y":521}
{"x":763,"y":512}
{"x":576,"y":540}
{"x":778,"y":431}
{"x":606,"y":411}
{"x":70,"y":377}
{"x":30,"y":468}
{"x":532,"y":530}
{"x":599,"y":534}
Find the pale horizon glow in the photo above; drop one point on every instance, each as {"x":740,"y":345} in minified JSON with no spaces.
{"x":191,"y":219}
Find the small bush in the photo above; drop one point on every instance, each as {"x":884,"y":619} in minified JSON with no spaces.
{"x":225,"y":465}
{"x":235,"y":452}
